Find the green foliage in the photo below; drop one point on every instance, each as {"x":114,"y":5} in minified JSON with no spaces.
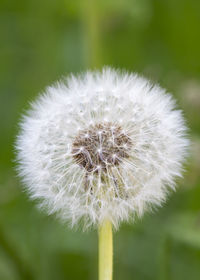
{"x":40,"y":42}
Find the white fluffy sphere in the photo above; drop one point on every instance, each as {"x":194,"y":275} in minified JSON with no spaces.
{"x":102,"y":145}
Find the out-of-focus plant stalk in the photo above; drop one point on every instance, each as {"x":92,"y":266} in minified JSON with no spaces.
{"x":92,"y":34}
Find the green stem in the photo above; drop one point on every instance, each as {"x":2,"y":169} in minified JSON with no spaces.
{"x":105,"y":251}
{"x":91,"y":20}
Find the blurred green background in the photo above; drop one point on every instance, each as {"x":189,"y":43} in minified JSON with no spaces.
{"x":40,"y":41}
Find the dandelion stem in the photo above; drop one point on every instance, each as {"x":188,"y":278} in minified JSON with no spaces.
{"x":105,"y":251}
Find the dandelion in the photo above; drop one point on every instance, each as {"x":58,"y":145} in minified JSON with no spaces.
{"x":102,"y":148}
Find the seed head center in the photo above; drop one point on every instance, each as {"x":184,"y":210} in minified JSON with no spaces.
{"x":101,"y":146}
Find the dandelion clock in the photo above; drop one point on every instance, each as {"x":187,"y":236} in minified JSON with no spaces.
{"x":101,"y":148}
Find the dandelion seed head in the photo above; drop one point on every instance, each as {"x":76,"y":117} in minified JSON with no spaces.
{"x":102,"y":145}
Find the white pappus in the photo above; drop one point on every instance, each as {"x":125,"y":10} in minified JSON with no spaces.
{"x":102,"y":145}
